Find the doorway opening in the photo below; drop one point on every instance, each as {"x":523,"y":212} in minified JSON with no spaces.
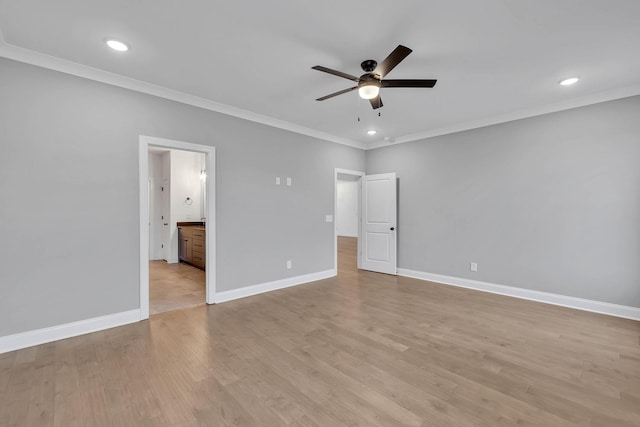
{"x":177,"y":224}
{"x":347,"y":221}
{"x":177,"y":215}
{"x":377,"y":204}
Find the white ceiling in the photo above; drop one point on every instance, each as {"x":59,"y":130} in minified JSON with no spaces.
{"x":495,"y":60}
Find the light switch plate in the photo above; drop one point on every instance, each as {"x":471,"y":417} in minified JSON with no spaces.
{"x":277,"y":180}
{"x":289,"y":181}
{"x":328,"y":218}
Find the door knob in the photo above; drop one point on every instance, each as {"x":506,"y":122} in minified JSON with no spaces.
{"x":392,"y":228}
{"x":166,"y":223}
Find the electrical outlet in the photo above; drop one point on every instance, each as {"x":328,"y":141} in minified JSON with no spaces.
{"x":474,"y":266}
{"x":289,"y":264}
{"x":288,"y":181}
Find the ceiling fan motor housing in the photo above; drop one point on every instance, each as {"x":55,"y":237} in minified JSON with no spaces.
{"x":368,"y":80}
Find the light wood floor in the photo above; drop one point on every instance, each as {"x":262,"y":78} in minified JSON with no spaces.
{"x":174,"y":286}
{"x":362,"y":349}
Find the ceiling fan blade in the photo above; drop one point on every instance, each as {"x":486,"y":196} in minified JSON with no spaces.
{"x":340,"y":92}
{"x":335,"y":72}
{"x":376,"y":102}
{"x":409,"y":83}
{"x":392,"y":60}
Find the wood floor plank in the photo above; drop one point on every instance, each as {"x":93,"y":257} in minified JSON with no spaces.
{"x":7,"y":362}
{"x":15,"y":404}
{"x":67,"y":405}
{"x":41,"y":399}
{"x":359,"y":349}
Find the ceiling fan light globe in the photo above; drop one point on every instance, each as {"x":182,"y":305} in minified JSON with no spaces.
{"x":368,"y":91}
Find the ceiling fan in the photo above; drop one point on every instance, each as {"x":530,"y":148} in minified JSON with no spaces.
{"x":372,"y":80}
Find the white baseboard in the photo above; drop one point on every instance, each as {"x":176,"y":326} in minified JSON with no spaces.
{"x":67,"y":330}
{"x":616,"y":310}
{"x":272,"y":286}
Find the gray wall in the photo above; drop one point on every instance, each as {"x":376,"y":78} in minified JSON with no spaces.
{"x":550,"y":203}
{"x":69,"y":195}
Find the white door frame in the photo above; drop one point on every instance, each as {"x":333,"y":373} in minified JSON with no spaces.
{"x":359,"y":174}
{"x":210,"y":228}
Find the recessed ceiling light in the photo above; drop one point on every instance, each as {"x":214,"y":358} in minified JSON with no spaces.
{"x":371,"y":132}
{"x":569,"y":81}
{"x":117,"y":45}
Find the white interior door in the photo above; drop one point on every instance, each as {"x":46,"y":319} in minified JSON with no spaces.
{"x":156,"y":250}
{"x":379,"y":212}
{"x":165,"y":217}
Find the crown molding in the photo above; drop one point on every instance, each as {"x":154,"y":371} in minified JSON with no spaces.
{"x":594,"y":98}
{"x":27,"y":56}
{"x":20,"y":54}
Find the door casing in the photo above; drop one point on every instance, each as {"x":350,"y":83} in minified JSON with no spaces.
{"x":210,"y":161}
